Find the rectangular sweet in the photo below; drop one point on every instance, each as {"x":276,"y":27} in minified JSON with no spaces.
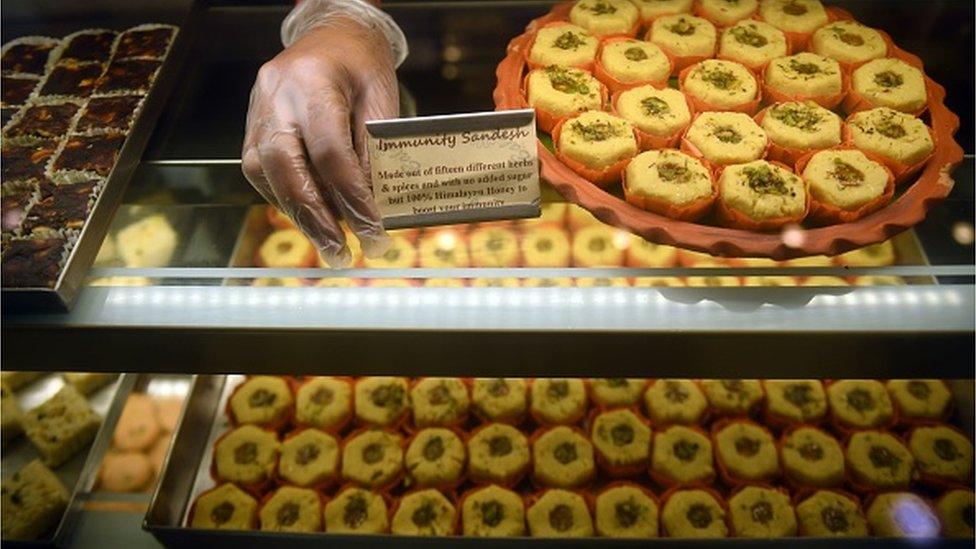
{"x":16,"y":90}
{"x":52,"y":120}
{"x":23,"y":162}
{"x":128,"y":75}
{"x":32,"y":262}
{"x":72,"y":79}
{"x":14,"y":203}
{"x":144,"y":43}
{"x":27,"y":58}
{"x":95,"y":153}
{"x":88,"y":382}
{"x":113,"y":113}
{"x":88,"y":46}
{"x":33,"y":502}
{"x":62,"y":426}
{"x":61,"y":206}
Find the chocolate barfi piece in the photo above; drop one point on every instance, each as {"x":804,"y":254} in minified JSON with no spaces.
{"x":72,"y":79}
{"x":89,"y":46}
{"x":61,"y":206}
{"x":27,"y":58}
{"x":52,"y":120}
{"x":144,"y":43}
{"x":14,"y":204}
{"x":135,"y":75}
{"x":95,"y":153}
{"x":16,"y":90}
{"x":22,"y":162}
{"x":7,"y":114}
{"x":115,"y":113}
{"x":33,"y":262}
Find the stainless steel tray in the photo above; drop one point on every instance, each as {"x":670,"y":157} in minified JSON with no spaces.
{"x":69,"y":282}
{"x":79,"y":473}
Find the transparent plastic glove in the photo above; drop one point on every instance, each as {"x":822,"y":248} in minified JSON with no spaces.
{"x":305,"y":139}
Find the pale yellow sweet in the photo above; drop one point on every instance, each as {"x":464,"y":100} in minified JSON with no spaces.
{"x":400,"y":255}
{"x":675,"y":401}
{"x":424,"y":513}
{"x":658,"y":112}
{"x":669,"y":175}
{"x":237,"y":509}
{"x":804,"y":75}
{"x":657,"y":282}
{"x":323,"y":402}
{"x":892,"y":83}
{"x":494,"y":247}
{"x":292,"y":509}
{"x":762,"y":190}
{"x":684,"y":35}
{"x":545,"y":247}
{"x":732,"y":396}
{"x":556,"y":401}
{"x":802,"y":125}
{"x":246,"y":455}
{"x":485,"y":282}
{"x":752,"y":43}
{"x":564,"y":45}
{"x":810,"y":261}
{"x":693,"y":514}
{"x":356,"y":511}
{"x":758,"y":512}
{"x":942,"y":452}
{"x":651,"y":9}
{"x":769,"y":281}
{"x":149,"y":242}
{"x":846,"y":179}
{"x":435,"y":457}
{"x":955,"y":509}
{"x":562,"y":458}
{"x":372,"y":458}
{"x":919,"y":398}
{"x":713,"y":281}
{"x":381,"y":400}
{"x":811,"y":457}
{"x":727,"y":137}
{"x":849,"y":42}
{"x":597,"y":139}
{"x":902,"y":515}
{"x":497,"y":453}
{"x":722,"y":84}
{"x":621,"y":438}
{"x":891,"y":134}
{"x":611,"y":392}
{"x":747,"y":451}
{"x":500,"y":399}
{"x":559,"y":514}
{"x":443,"y":283}
{"x":829,"y":514}
{"x":558,"y":282}
{"x":599,"y":246}
{"x":800,"y":16}
{"x":860,"y":403}
{"x":635,"y":61}
{"x":594,"y":282}
{"x":563,"y":91}
{"x":682,"y":455}
{"x":642,"y":253}
{"x":439,"y":401}
{"x":879,"y":460}
{"x":796,"y":400}
{"x":309,"y":458}
{"x":444,"y":249}
{"x":625,"y":512}
{"x":491,"y":512}
{"x":876,"y":255}
{"x":261,"y":400}
{"x":605,"y":17}
{"x":728,"y":12}
{"x":824,"y":281}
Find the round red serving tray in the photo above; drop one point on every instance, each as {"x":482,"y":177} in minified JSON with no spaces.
{"x":934,"y":183}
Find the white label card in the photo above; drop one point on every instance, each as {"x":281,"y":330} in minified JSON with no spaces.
{"x":441,"y":170}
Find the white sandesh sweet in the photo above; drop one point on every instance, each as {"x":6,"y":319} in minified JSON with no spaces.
{"x":752,"y":43}
{"x":804,"y":75}
{"x":891,"y":134}
{"x":563,"y":91}
{"x":597,"y":139}
{"x":652,"y":9}
{"x":761,"y":190}
{"x":684,"y":35}
{"x":801,"y":16}
{"x":668,"y":175}
{"x":848,"y":42}
{"x":891,"y":82}
{"x":721,"y":84}
{"x":563,"y":45}
{"x":728,"y":12}
{"x":605,"y":17}
{"x":727,"y":137}
{"x":802,"y":125}
{"x":846,"y":179}
{"x":658,"y":112}
{"x":635,"y":61}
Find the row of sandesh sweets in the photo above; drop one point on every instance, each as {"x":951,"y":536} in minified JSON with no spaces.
{"x":714,"y":117}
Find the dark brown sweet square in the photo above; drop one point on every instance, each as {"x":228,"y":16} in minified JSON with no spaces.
{"x":72,"y":79}
{"x":33,"y":262}
{"x":114,"y":113}
{"x":27,"y":58}
{"x":7,"y":114}
{"x":17,"y":90}
{"x":60,"y":206}
{"x":14,"y":206}
{"x":22,"y":162}
{"x":44,"y":121}
{"x":89,"y":46}
{"x":135,"y":75}
{"x":91,"y":154}
{"x":144,"y":43}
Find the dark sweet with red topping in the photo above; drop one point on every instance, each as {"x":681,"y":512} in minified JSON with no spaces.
{"x":27,"y":58}
{"x":72,"y":79}
{"x":44,"y":121}
{"x":61,"y":206}
{"x":26,"y":161}
{"x":144,"y":43}
{"x":128,"y":75}
{"x":17,"y":90}
{"x":32,"y":261}
{"x":89,"y":46}
{"x":92,"y":154}
{"x":115,"y":113}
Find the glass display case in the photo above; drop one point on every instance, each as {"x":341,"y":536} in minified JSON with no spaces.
{"x":198,"y":276}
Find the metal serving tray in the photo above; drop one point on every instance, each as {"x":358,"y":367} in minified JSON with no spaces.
{"x":69,"y":282}
{"x":80,"y":472}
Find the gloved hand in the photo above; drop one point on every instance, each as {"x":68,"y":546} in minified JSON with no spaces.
{"x":305,"y":138}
